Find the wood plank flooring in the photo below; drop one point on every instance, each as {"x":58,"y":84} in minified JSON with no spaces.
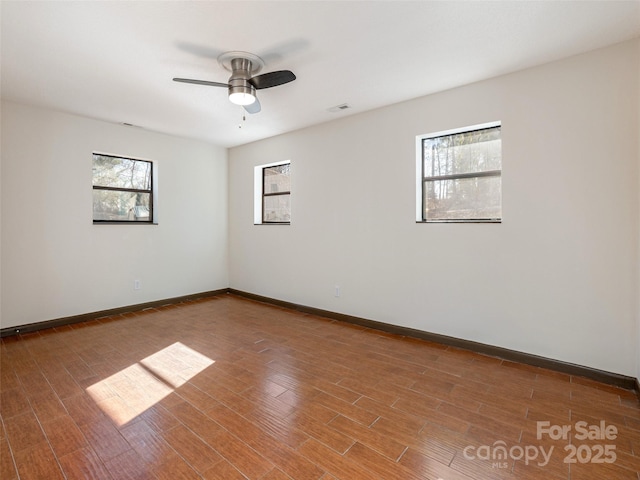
{"x":227,"y":388}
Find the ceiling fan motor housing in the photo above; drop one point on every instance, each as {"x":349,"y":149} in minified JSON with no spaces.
{"x":239,"y":80}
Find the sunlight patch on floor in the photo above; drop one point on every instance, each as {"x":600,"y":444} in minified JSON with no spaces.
{"x":130,"y":392}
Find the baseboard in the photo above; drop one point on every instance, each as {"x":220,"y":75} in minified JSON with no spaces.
{"x":60,"y":322}
{"x":602,"y":376}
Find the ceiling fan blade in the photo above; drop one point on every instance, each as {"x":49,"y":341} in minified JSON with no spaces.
{"x":254,"y":107}
{"x":201,"y":82}
{"x":272,"y":79}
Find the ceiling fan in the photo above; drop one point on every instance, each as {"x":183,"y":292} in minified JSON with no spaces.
{"x":244,"y":82}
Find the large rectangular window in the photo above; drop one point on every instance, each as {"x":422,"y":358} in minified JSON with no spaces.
{"x":460,"y":175}
{"x":122,"y":189}
{"x":273,"y":194}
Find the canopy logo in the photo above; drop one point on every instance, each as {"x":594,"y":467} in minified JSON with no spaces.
{"x":499,"y":453}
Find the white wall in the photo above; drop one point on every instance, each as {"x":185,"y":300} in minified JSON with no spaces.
{"x":559,"y":276}
{"x":638,"y":196}
{"x":56,"y":263}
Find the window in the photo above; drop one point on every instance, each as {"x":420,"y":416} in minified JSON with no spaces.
{"x":460,"y":175}
{"x":122,"y":189}
{"x":273,"y":194}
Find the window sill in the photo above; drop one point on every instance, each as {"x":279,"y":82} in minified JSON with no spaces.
{"x":461,"y":221}
{"x":108,"y":222}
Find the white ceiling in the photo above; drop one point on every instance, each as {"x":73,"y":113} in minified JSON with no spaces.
{"x":115,"y":60}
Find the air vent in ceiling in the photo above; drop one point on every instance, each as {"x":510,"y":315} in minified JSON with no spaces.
{"x":339,"y":108}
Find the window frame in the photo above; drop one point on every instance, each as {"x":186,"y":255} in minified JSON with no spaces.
{"x":421,"y":179}
{"x":260,"y":195}
{"x":151,"y":191}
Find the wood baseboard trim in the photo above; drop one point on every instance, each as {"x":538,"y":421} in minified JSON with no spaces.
{"x":601,"y":376}
{"x":85,"y":317}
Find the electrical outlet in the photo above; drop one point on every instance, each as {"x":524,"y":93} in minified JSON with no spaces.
{"x":136,"y":285}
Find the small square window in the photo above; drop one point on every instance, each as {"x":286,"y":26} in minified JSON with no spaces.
{"x":460,"y":175}
{"x":122,"y":190}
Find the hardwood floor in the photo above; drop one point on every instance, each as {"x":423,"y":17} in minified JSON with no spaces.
{"x":227,"y":388}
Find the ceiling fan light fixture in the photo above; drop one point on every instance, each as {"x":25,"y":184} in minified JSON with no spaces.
{"x":242,"y":98}
{"x":241,"y":92}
